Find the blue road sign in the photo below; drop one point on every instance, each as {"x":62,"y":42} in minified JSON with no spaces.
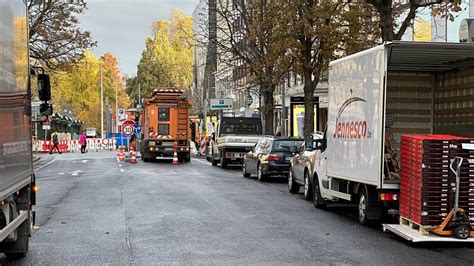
{"x":137,"y":129}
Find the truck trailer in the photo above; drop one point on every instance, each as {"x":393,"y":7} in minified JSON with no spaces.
{"x":166,"y":126}
{"x":17,"y":179}
{"x":377,"y":95}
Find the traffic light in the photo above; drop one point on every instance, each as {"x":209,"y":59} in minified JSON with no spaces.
{"x":46,"y":109}
{"x":137,"y":118}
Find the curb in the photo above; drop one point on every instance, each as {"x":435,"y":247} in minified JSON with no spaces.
{"x":36,"y":159}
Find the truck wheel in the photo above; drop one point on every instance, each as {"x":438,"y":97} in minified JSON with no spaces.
{"x":292,"y":186}
{"x":318,"y":202}
{"x":214,"y":162}
{"x":244,"y":170}
{"x":19,"y":248}
{"x":223,"y":160}
{"x":308,"y":190}
{"x":363,"y":204}
{"x":260,"y":175}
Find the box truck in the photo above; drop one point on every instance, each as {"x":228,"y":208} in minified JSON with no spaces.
{"x":17,"y":179}
{"x":377,"y":95}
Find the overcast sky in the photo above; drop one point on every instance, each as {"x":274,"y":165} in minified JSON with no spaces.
{"x":120,"y":27}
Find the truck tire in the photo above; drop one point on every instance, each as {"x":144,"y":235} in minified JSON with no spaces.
{"x":292,"y":186}
{"x":363,"y":207}
{"x":19,"y":248}
{"x":318,"y":202}
{"x":214,"y":162}
{"x":260,"y":175}
{"x":223,"y":160}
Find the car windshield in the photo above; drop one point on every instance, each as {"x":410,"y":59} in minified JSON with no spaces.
{"x":285,"y":145}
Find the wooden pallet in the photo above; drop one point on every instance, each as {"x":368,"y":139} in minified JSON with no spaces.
{"x":422,"y":229}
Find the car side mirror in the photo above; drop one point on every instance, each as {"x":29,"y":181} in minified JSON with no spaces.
{"x":44,"y":87}
{"x":319,"y":144}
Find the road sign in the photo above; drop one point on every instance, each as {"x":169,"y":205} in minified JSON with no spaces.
{"x":127,"y":130}
{"x":46,"y":127}
{"x":122,"y":115}
{"x":222,"y":104}
{"x":137,"y":129}
{"x":128,"y":122}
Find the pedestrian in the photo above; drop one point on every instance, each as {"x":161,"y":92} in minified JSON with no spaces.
{"x":83,"y":142}
{"x":55,"y":140}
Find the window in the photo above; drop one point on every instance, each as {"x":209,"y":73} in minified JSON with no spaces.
{"x":163,"y":114}
{"x":163,"y":129}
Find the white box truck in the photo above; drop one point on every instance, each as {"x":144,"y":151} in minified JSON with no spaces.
{"x":377,"y":95}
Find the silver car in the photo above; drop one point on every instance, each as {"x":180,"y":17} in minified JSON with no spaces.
{"x":302,"y":165}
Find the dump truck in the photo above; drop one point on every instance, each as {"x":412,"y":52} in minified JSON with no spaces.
{"x":17,"y":179}
{"x":166,"y":125}
{"x":375,"y":97}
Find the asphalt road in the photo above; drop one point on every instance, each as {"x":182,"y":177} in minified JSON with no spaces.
{"x":93,"y":210}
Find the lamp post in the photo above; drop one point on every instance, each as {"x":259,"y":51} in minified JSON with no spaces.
{"x":101,"y":103}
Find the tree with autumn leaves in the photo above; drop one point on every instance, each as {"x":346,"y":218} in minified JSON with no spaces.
{"x":168,"y":57}
{"x":77,"y":88}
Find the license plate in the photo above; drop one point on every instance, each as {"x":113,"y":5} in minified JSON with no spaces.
{"x":287,"y":159}
{"x":234,"y":155}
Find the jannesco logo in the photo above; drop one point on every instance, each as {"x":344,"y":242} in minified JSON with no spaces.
{"x":350,"y":129}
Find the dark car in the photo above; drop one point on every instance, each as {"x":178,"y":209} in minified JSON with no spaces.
{"x":270,"y":157}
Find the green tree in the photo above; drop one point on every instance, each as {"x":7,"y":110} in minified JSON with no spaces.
{"x":77,"y":87}
{"x":167,"y":58}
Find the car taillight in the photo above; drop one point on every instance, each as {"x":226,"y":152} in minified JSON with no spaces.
{"x":184,"y":148}
{"x":388,"y":197}
{"x":273,"y":157}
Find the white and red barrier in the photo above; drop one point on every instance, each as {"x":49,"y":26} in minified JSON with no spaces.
{"x":73,"y":145}
{"x":202,"y":145}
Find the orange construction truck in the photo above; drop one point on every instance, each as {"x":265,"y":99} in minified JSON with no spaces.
{"x":165,"y":124}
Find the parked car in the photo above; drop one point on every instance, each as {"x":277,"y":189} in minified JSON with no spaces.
{"x":302,"y":165}
{"x":270,"y":157}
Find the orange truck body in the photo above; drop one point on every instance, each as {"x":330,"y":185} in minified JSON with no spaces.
{"x":166,"y":125}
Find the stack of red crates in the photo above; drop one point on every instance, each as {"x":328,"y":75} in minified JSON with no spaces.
{"x":427,"y":185}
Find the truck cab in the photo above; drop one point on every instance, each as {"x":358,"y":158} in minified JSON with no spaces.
{"x":235,"y":137}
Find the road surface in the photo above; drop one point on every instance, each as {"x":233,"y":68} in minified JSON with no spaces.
{"x":92,"y":209}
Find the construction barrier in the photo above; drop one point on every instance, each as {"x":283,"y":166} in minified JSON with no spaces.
{"x":202,"y":145}
{"x":43,"y":146}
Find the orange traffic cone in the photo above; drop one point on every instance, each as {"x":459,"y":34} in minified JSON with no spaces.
{"x":133,"y":158}
{"x":175,"y":158}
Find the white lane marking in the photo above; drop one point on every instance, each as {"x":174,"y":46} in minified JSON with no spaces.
{"x":76,"y":173}
{"x":60,"y":173}
{"x":120,"y":165}
{"x":84,"y":161}
{"x":202,"y":161}
{"x":122,"y":171}
{"x":46,"y":164}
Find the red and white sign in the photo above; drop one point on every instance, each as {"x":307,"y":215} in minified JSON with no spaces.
{"x":128,"y":122}
{"x":127,"y":130}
